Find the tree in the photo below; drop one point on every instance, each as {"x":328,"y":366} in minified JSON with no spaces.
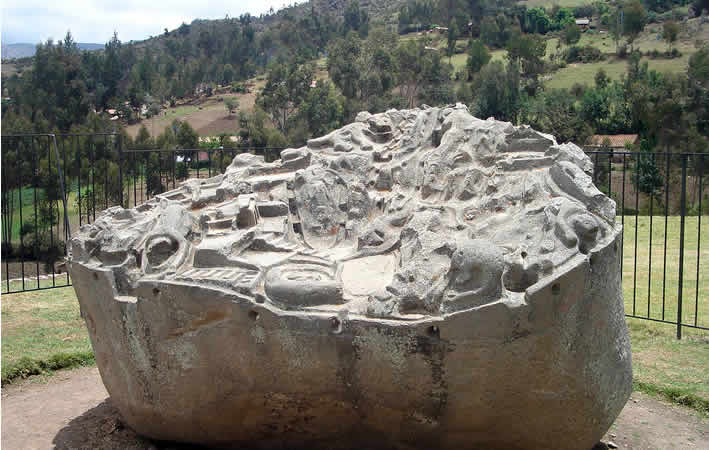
{"x":571,"y":34}
{"x":478,"y":56}
{"x":526,"y":52}
{"x":615,"y":27}
{"x":143,"y":140}
{"x":646,"y":176}
{"x":227,"y":74}
{"x":231,"y":104}
{"x":186,"y":136}
{"x":287,"y":85}
{"x":595,"y":107}
{"x":452,"y":37}
{"x":670,"y":32}
{"x":554,"y":112}
{"x":497,"y":92}
{"x":323,"y":109}
{"x":364,"y":70}
{"x":342,"y":64}
{"x":537,"y":21}
{"x":634,"y":20}
{"x":356,"y":19}
{"x":601,"y":79}
{"x":563,"y":18}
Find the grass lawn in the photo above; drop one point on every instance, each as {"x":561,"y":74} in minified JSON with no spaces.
{"x":42,"y":330}
{"x":659,"y":359}
{"x":39,"y":325}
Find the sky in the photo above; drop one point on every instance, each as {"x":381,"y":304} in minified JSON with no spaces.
{"x":34,"y":21}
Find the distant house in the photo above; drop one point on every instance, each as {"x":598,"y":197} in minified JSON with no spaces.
{"x":615,"y":142}
{"x":583,"y":23}
{"x":203,"y":156}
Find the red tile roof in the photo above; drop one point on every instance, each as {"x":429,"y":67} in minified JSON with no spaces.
{"x":616,"y":140}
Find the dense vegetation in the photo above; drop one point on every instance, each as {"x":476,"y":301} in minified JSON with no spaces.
{"x":371,"y":66}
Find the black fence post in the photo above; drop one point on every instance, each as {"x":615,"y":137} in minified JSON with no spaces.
{"x":120,"y":169}
{"x":683,"y":213}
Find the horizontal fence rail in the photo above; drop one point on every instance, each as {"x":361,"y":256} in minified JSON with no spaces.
{"x":660,"y":202}
{"x":92,"y":172}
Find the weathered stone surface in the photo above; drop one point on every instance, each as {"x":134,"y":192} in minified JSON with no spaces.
{"x":417,"y":278}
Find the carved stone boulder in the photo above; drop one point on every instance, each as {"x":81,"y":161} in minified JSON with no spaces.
{"x":416,"y":279}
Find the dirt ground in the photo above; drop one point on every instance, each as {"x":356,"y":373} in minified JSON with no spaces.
{"x":210,"y":119}
{"x":71,"y":410}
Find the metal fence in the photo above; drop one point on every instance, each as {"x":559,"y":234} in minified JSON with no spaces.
{"x":659,"y":198}
{"x":54,"y":184}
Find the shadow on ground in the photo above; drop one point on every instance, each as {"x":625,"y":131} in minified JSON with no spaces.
{"x":101,"y":427}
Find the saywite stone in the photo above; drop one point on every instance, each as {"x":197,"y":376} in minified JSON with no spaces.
{"x":418,"y":278}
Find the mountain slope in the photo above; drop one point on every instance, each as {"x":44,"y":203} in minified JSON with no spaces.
{"x":23,"y":50}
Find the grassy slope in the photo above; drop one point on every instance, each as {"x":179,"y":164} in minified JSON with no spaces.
{"x":41,"y":324}
{"x":614,"y":67}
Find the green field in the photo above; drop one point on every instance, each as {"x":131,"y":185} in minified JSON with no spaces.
{"x":650,"y":269}
{"x":43,"y":324}
{"x":42,"y":328}
{"x":615,"y":67}
{"x":460,"y":59}
{"x":550,"y":3}
{"x":659,"y":359}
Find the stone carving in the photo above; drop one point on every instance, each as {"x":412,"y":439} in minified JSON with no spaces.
{"x":418,"y":277}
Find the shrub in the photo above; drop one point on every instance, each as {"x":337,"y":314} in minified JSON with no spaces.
{"x":26,"y":367}
{"x":577,"y":90}
{"x":623,"y":51}
{"x":584,"y":54}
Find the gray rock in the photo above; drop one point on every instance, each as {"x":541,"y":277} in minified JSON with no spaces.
{"x":418,"y":278}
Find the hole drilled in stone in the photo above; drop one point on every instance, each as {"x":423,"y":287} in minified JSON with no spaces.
{"x":253,"y":315}
{"x":433,"y":331}
{"x":524,"y":254}
{"x":156,"y":291}
{"x":556,"y":289}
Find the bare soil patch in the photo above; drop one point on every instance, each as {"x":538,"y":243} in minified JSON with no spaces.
{"x":208,"y":116}
{"x":72,"y":410}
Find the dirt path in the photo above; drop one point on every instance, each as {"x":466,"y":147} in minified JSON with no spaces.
{"x":72,"y":411}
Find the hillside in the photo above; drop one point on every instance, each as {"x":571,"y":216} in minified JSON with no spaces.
{"x":511,"y":61}
{"x":24,"y":50}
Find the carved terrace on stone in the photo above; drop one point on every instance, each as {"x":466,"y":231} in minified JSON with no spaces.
{"x":417,"y":278}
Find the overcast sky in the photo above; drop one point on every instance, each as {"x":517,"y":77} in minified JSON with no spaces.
{"x":90,"y":21}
